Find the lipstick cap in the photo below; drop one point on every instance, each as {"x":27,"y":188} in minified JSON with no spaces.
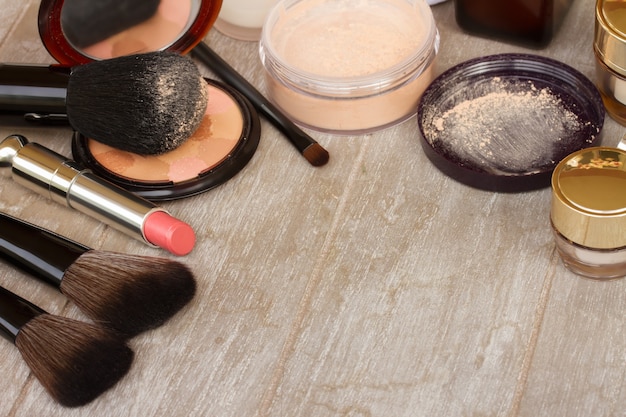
{"x":589,"y":198}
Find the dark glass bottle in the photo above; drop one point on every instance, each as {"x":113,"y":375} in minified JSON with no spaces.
{"x":529,"y":22}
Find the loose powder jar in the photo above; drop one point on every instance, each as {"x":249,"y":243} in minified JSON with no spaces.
{"x":348,"y":66}
{"x":610,"y":50}
{"x":589,"y":212}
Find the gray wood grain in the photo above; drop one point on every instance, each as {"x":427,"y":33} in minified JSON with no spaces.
{"x":373,"y":286}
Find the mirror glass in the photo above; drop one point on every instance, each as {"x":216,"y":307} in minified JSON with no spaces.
{"x":103,"y":29}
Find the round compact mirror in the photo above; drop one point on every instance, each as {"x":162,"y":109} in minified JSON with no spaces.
{"x":80,"y":31}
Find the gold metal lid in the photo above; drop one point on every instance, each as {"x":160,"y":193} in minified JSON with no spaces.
{"x":610,"y":34}
{"x":589,"y":198}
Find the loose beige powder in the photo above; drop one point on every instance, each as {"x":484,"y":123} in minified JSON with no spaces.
{"x":511,"y":126}
{"x":348,"y":38}
{"x":354,"y":65}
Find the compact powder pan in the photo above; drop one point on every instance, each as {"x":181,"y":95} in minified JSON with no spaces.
{"x":503,"y":122}
{"x":223,"y":144}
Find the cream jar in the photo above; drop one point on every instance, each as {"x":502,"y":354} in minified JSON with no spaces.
{"x":589,"y":212}
{"x":610,"y":50}
{"x":348,"y":66}
{"x":243,"y":19}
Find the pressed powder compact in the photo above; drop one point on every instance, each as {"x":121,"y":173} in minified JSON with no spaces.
{"x":77,"y":32}
{"x":589,"y":212}
{"x":226,"y":140}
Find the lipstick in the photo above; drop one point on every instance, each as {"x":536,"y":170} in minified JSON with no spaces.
{"x":66,"y":182}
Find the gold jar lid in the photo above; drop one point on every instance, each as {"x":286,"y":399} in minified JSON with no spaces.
{"x":610,"y":34}
{"x":589,"y":198}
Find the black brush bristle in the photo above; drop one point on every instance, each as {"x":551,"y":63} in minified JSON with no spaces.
{"x":146,"y":103}
{"x":75,"y":361}
{"x":128,"y":293}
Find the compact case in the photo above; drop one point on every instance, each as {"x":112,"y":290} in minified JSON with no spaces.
{"x":224,"y":143}
{"x":77,"y":32}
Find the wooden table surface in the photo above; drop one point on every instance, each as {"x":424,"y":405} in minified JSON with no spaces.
{"x":372,"y":286}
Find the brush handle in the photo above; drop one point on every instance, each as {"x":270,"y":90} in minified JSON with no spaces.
{"x":223,"y":70}
{"x":15,"y":312}
{"x":33,"y":88}
{"x":38,"y":251}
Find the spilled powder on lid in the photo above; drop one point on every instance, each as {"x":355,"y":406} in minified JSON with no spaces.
{"x":509,"y":127}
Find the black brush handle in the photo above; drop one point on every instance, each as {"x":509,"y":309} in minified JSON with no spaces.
{"x":33,"y":88}
{"x":15,"y":312}
{"x":227,"y":73}
{"x":38,"y":251}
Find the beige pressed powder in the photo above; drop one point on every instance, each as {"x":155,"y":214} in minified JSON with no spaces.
{"x":349,"y":66}
{"x":221,"y":146}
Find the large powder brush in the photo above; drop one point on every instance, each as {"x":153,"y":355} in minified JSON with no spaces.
{"x":144,"y":103}
{"x":127,"y":293}
{"x":75,"y":361}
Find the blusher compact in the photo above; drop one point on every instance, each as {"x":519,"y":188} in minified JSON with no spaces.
{"x":222,"y":146}
{"x":503,"y":122}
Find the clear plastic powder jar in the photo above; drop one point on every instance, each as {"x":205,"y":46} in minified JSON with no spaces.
{"x":610,"y":51}
{"x":589,"y":212}
{"x":348,"y":66}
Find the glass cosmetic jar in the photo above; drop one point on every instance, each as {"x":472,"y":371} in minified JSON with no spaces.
{"x":589,"y":212}
{"x":610,"y":50}
{"x":348,"y":66}
{"x":529,"y":22}
{"x":243,"y":19}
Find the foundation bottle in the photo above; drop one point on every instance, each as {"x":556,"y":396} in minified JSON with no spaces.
{"x":610,"y":51}
{"x":588,"y":212}
{"x":529,"y":22}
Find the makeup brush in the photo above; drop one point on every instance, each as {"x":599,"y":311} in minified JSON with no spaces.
{"x":145,"y":103}
{"x":75,"y":361}
{"x":128,"y":293}
{"x":306,"y":145}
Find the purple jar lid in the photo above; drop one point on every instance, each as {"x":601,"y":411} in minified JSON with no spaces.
{"x":503,"y":122}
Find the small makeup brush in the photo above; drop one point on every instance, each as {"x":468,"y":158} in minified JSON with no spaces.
{"x":75,"y":361}
{"x":128,"y":293}
{"x":144,"y":103}
{"x":306,"y":145}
